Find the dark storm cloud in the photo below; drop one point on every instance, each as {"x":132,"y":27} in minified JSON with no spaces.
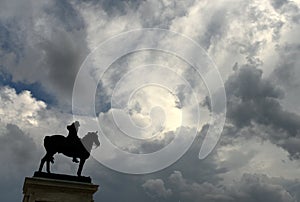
{"x":66,"y":15}
{"x":152,"y":13}
{"x":289,"y":9}
{"x":278,"y":3}
{"x":260,"y":188}
{"x":46,"y":45}
{"x":247,"y":94}
{"x":250,"y":188}
{"x":9,"y":40}
{"x":161,"y":13}
{"x":62,"y":56}
{"x":253,"y":99}
{"x":114,"y":7}
{"x":65,"y":50}
{"x":19,"y":157}
{"x":189,"y":190}
{"x":215,"y":29}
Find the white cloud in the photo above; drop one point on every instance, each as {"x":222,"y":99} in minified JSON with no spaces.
{"x":31,"y":115}
{"x":19,"y":108}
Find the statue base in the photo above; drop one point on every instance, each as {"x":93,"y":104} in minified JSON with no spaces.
{"x":58,"y":188}
{"x":63,"y":177}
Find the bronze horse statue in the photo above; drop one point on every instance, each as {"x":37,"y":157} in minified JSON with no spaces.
{"x":60,"y":144}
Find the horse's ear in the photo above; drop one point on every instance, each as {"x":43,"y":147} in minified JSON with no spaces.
{"x":96,"y":132}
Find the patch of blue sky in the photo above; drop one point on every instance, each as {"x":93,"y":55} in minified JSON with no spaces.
{"x":36,"y":89}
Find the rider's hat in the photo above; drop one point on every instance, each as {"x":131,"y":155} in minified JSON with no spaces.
{"x":76,"y":123}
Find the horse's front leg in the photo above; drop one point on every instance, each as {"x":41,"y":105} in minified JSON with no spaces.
{"x":42,"y":163}
{"x":49,"y":159}
{"x":82,"y":161}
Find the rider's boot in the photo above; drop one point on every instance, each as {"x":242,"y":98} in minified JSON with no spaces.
{"x":75,"y":160}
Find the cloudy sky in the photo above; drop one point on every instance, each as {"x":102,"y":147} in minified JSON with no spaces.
{"x":253,"y":44}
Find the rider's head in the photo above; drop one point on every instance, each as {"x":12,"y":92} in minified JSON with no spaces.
{"x":76,"y":124}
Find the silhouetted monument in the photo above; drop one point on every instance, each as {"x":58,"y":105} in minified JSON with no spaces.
{"x":70,"y":146}
{"x":46,"y":187}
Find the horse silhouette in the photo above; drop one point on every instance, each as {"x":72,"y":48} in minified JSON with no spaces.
{"x":60,"y":144}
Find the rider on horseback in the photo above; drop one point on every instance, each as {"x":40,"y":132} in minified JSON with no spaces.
{"x":72,"y":137}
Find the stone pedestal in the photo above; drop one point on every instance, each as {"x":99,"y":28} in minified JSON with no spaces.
{"x":51,"y":188}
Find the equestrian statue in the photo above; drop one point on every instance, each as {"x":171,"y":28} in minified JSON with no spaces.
{"x":71,"y":146}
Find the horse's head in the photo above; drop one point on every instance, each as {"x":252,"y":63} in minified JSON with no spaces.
{"x":90,"y":139}
{"x":94,"y":138}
